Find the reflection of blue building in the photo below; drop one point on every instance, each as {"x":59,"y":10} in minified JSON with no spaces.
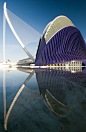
{"x":61,"y":42}
{"x":62,"y":90}
{"x":61,"y":84}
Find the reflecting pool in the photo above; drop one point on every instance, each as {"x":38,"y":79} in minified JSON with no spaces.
{"x":42,"y":100}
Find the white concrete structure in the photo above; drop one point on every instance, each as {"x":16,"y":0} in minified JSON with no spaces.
{"x":15,"y":34}
{"x":56,"y":25}
{"x":4,"y":26}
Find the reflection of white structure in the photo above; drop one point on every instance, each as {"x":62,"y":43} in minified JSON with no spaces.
{"x":6,"y":116}
{"x":4,"y":94}
{"x":56,"y":106}
{"x":24,"y":35}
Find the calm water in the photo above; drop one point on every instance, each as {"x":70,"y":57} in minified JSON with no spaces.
{"x":42,"y":101}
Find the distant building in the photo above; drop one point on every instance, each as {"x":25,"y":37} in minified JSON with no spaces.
{"x":61,"y":43}
{"x":26,"y":61}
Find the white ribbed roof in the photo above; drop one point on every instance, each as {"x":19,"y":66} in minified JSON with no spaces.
{"x":54,"y":26}
{"x":46,"y":28}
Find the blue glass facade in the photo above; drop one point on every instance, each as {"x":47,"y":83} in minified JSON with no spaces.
{"x":66,"y":45}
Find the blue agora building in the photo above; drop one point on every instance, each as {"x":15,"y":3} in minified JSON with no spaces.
{"x":61,"y":44}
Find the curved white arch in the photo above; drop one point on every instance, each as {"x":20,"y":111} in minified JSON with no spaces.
{"x":56,"y":25}
{"x":46,"y":28}
{"x":15,"y":34}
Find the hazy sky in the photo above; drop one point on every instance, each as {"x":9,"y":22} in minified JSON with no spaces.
{"x":38,"y":13}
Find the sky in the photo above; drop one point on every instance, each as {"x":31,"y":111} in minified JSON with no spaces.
{"x":38,"y":13}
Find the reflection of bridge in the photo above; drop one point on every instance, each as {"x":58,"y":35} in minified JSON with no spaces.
{"x":57,"y":88}
{"x":49,"y":98}
{"x":24,"y":33}
{"x":6,"y":116}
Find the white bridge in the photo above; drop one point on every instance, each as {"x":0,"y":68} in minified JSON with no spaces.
{"x":23,"y":32}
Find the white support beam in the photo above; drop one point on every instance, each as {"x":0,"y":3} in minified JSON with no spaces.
{"x":15,"y":34}
{"x":4,"y":29}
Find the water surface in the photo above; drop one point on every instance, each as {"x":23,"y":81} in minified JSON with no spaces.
{"x":42,"y":100}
